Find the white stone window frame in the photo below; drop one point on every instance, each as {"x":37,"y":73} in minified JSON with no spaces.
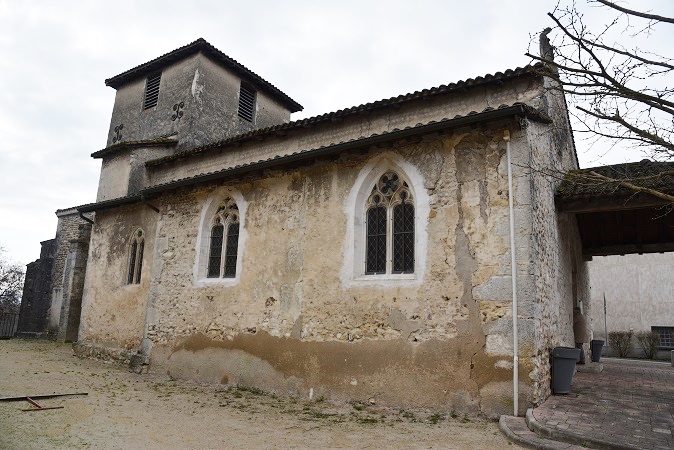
{"x":208,"y":212}
{"x":356,"y":205}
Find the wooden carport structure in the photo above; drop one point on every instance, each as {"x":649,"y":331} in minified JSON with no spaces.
{"x":618,"y":209}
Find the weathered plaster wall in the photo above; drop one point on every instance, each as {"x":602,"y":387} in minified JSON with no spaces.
{"x":291,"y":323}
{"x":114,"y":179}
{"x":638,"y":290}
{"x":113,"y":312}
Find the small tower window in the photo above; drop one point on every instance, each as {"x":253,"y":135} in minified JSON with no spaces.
{"x":151,"y":91}
{"x":246,"y":103}
{"x":136,"y":258}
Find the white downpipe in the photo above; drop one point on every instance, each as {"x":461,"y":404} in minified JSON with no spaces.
{"x":513,"y":269}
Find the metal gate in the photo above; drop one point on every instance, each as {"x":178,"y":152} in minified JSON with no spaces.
{"x":9,"y":322}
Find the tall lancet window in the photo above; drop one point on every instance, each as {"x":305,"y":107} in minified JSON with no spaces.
{"x":389,"y":227}
{"x":136,"y":257}
{"x":224,"y":241}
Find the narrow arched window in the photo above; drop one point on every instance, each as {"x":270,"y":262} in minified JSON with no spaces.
{"x":224,"y":241}
{"x":136,"y":257}
{"x":389,"y":227}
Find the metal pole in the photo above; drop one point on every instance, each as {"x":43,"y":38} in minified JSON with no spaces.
{"x":605,"y":324}
{"x":513,"y":270}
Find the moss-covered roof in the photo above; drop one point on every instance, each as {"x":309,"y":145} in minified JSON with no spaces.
{"x":606,"y":181}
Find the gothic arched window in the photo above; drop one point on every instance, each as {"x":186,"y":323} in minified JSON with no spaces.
{"x":389,"y":227}
{"x":136,"y":257}
{"x":224,"y":241}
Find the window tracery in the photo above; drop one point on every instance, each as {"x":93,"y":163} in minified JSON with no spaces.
{"x":389,"y":226}
{"x":224,"y":241}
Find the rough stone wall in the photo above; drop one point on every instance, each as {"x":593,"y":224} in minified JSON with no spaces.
{"x":67,"y":229}
{"x":73,"y":284}
{"x":561,"y":277}
{"x":36,"y":297}
{"x":290,"y":323}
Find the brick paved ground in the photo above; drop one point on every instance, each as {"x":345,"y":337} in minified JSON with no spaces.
{"x":629,"y":404}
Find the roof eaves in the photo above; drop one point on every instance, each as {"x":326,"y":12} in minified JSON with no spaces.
{"x":658,"y":175}
{"x":489,"y":114}
{"x":533,"y":70}
{"x":107,"y":204}
{"x":160,"y":142}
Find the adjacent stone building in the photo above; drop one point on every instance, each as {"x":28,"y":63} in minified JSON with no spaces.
{"x":362,"y":254}
{"x":52,"y":293}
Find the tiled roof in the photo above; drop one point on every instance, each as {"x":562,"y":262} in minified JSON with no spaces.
{"x":518,"y":109}
{"x":200,"y":45}
{"x":159,"y":142}
{"x":578,"y":184}
{"x":394,"y":102}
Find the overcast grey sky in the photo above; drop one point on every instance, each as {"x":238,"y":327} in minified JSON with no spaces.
{"x":327,"y":55}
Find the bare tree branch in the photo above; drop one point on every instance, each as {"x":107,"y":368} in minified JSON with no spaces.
{"x":632,"y":12}
{"x":634,"y":187}
{"x":620,"y":93}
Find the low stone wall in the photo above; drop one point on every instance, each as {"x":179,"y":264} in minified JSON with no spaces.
{"x":111,"y":354}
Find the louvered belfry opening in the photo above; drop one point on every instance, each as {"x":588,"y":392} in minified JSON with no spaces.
{"x":246,"y":103}
{"x":151,"y":91}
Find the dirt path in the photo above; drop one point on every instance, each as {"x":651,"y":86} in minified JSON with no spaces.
{"x":125,"y":410}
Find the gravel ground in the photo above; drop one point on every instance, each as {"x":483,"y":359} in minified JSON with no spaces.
{"x":127,"y":411}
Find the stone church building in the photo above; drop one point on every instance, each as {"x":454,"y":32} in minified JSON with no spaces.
{"x":362,"y":254}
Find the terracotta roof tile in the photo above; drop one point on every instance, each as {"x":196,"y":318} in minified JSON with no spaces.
{"x":532,"y":70}
{"x":517,"y":109}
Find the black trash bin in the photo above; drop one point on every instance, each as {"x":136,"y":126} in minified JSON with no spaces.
{"x":595,"y":347}
{"x":563,"y":364}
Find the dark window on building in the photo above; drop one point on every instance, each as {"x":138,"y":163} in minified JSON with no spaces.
{"x":151,"y":91}
{"x":376,"y":240}
{"x":666,"y":337}
{"x":403,"y":238}
{"x":223,"y":264}
{"x":231,"y":249}
{"x":246,"y":103}
{"x":215,"y":253}
{"x":389,"y":227}
{"x":136,"y":258}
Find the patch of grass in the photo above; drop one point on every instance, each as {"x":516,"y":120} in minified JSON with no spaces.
{"x":436,"y":418}
{"x":250,"y":389}
{"x":358,"y":406}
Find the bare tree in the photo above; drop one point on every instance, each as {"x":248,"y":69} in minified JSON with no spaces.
{"x":11,"y":284}
{"x":616,"y":90}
